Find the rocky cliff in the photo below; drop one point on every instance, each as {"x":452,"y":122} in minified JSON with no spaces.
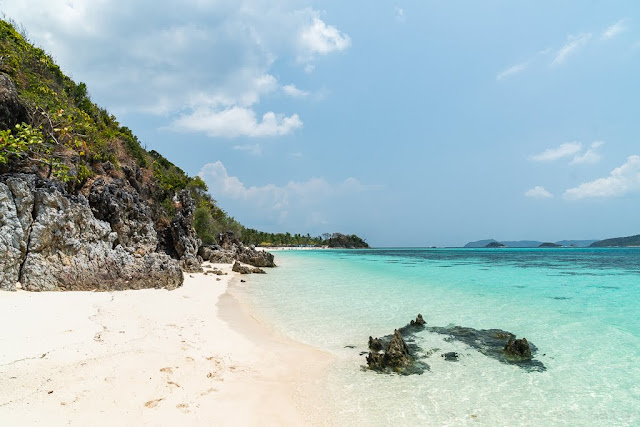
{"x":53,"y":241}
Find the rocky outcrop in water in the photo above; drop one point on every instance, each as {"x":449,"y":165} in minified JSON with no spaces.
{"x":53,"y":241}
{"x":395,"y":357}
{"x":518,"y":349}
{"x":495,"y":343}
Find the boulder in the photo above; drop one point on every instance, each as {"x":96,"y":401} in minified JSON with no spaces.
{"x":518,"y":349}
{"x":243,"y":269}
{"x":12,"y":111}
{"x":251,"y":256}
{"x":216,"y":254}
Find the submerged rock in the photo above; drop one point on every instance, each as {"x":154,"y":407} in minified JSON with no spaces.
{"x":495,"y":343}
{"x":451,"y":356}
{"x":518,"y":349}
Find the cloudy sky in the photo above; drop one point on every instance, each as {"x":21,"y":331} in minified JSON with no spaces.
{"x":409,"y":123}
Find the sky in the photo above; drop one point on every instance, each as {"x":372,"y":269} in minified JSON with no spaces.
{"x":409,"y":123}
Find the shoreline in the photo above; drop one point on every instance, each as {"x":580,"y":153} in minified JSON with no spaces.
{"x":194,"y":355}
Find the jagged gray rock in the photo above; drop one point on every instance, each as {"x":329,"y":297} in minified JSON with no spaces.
{"x":229,"y":248}
{"x":127,"y":214}
{"x":12,"y":111}
{"x":56,"y":243}
{"x":185,"y":240}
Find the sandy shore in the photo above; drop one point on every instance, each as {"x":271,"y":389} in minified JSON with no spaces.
{"x":192,"y":356}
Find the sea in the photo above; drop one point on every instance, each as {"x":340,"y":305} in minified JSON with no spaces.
{"x":579,"y":307}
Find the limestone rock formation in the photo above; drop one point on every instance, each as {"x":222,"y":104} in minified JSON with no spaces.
{"x":183,"y":235}
{"x":395,"y":357}
{"x":54,"y":242}
{"x":127,"y":214}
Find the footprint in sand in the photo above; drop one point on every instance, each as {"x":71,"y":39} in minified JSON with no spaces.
{"x":174,"y":384}
{"x":183,"y":407}
{"x":167,"y":370}
{"x":211,"y":390}
{"x":153,"y":403}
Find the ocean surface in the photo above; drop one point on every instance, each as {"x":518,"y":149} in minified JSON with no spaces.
{"x":579,"y":307}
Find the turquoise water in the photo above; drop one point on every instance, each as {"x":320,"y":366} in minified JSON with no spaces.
{"x":580,"y":307}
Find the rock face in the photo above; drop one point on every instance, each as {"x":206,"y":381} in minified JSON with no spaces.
{"x":183,"y":235}
{"x":229,"y":248}
{"x":12,"y":111}
{"x":54,"y":242}
{"x":518,"y":349}
{"x":127,"y":214}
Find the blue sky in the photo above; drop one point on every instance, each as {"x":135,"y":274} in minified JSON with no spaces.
{"x":409,"y":123}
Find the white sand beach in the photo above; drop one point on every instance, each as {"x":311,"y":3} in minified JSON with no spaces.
{"x":192,"y":356}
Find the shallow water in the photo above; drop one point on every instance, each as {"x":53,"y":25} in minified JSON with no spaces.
{"x":580,"y":307}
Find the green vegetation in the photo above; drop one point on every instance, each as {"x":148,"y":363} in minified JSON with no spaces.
{"x":335,"y":240}
{"x":71,"y":139}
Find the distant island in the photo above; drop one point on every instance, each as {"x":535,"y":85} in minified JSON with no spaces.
{"x":618,"y":242}
{"x":613,"y":242}
{"x":494,"y":245}
{"x":549,"y":245}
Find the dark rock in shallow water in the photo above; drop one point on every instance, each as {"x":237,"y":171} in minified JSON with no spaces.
{"x":518,"y":349}
{"x":495,"y":343}
{"x":491,"y":343}
{"x":395,"y":358}
{"x":451,"y":356}
{"x":397,"y":352}
{"x":418,"y":322}
{"x":375,"y":344}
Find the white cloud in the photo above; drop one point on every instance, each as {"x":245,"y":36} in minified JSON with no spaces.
{"x":294,"y":92}
{"x":538,"y":192}
{"x":253,"y":149}
{"x":303,"y":203}
{"x":615,"y":29}
{"x":400,"y":15}
{"x":551,"y":154}
{"x":511,"y":71}
{"x":573,"y":44}
{"x":622,"y":180}
{"x":322,"y":39}
{"x":183,"y":57}
{"x":590,"y":156}
{"x":235,"y":122}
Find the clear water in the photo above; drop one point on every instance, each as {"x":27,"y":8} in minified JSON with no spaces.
{"x":580,"y":307}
